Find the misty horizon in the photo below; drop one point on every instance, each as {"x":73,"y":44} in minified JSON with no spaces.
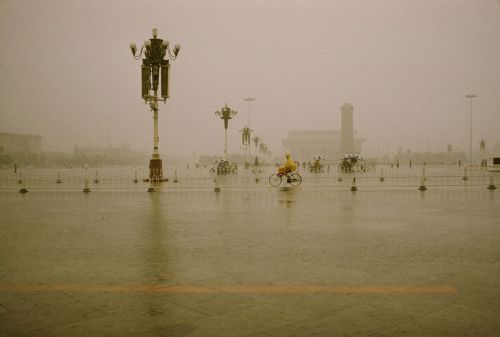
{"x":67,"y":73}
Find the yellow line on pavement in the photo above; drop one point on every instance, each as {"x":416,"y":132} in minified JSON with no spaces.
{"x":236,"y":289}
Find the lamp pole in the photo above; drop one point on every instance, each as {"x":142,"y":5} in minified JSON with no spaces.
{"x":245,"y":140}
{"x":470,"y":96}
{"x":225,"y":114}
{"x":249,"y":100}
{"x":256,"y":141}
{"x":155,"y":70}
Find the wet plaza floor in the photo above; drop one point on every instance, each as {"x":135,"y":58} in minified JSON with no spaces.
{"x":243,"y":262}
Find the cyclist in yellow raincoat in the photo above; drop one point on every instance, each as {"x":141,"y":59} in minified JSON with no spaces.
{"x":288,"y":166}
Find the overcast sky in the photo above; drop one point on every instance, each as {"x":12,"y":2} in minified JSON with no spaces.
{"x":67,"y":74}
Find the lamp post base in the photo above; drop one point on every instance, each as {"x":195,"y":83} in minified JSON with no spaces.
{"x":156,"y":169}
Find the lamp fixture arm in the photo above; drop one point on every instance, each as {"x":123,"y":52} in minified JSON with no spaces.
{"x":138,"y":56}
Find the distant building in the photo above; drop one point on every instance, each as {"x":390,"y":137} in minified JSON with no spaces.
{"x":304,"y":144}
{"x":347,"y":129}
{"x":99,"y":156}
{"x":123,"y":149}
{"x":11,"y":143}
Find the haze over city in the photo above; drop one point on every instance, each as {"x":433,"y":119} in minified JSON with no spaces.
{"x":67,"y":74}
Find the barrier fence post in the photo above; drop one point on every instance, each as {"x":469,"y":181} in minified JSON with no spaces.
{"x":86,"y":189}
{"x":354,"y":188}
{"x":422,"y":181}
{"x":465,"y":178}
{"x":58,"y":181}
{"x":152,"y":182}
{"x":492,"y":186}
{"x":155,"y":180}
{"x":216,"y":181}
{"x":339,"y":171}
{"x":23,"y":184}
{"x":382,"y":174}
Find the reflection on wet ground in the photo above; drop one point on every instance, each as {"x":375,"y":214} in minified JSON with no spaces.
{"x":250,"y":262}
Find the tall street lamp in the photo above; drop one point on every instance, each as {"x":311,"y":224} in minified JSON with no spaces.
{"x":249,"y":100}
{"x":245,"y":140}
{"x":256,"y":140}
{"x":155,"y":71}
{"x":482,"y":148}
{"x":225,"y":114}
{"x":470,"y":96}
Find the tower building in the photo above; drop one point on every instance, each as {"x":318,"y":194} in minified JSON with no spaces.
{"x":347,"y":129}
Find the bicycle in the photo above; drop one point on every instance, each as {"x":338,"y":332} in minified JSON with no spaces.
{"x":293,"y":179}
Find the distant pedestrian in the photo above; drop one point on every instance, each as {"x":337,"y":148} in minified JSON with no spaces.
{"x":397,"y":163}
{"x":15,"y":168}
{"x":410,"y":163}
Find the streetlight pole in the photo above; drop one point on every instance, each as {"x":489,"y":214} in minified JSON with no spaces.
{"x":470,"y":96}
{"x":225,"y":114}
{"x":249,"y":100}
{"x":245,"y":140}
{"x":256,"y":141}
{"x":155,"y":70}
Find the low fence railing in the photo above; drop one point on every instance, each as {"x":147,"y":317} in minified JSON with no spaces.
{"x":109,"y":179}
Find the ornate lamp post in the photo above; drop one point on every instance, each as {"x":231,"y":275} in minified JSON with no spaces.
{"x":256,"y":141}
{"x":482,"y":148}
{"x":245,"y":140}
{"x":155,"y":71}
{"x":471,"y":96}
{"x":262,"y":148}
{"x":225,"y":114}
{"x":249,"y":100}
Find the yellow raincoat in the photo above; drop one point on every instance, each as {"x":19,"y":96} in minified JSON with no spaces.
{"x":288,"y":166}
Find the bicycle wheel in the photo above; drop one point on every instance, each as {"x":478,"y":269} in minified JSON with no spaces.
{"x":274,"y":180}
{"x":295,"y":179}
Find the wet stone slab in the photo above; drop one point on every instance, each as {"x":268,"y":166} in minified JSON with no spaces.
{"x":259,"y":262}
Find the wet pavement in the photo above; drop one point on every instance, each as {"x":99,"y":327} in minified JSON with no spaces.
{"x":250,"y":262}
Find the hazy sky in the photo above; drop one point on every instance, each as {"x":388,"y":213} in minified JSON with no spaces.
{"x":67,"y":74}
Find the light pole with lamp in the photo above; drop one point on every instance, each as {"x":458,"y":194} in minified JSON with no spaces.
{"x":470,"y":96}
{"x":225,"y":114}
{"x":245,"y":140}
{"x":256,"y":140}
{"x":155,"y":71}
{"x":249,"y":100}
